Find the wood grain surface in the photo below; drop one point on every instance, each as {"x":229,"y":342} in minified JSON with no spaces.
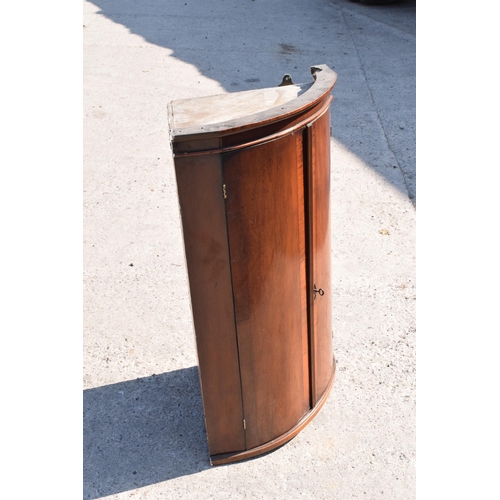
{"x":265,"y":217}
{"x":199,"y":182}
{"x":318,"y":134}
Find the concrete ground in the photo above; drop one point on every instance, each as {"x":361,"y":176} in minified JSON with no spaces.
{"x":144,"y":433}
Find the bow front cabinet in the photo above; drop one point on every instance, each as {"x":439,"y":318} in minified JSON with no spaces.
{"x":253,"y":179}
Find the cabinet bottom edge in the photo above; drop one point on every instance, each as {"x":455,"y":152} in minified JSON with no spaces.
{"x":227,"y":458}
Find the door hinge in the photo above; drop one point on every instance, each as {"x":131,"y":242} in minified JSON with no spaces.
{"x":244,"y":424}
{"x":224,"y":193}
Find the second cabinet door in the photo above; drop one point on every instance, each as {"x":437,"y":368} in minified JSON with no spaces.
{"x":266,"y":221}
{"x":318,"y":151}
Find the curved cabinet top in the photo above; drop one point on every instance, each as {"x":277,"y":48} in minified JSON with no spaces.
{"x":222,"y":115}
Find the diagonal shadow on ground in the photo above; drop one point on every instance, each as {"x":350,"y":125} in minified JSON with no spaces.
{"x":143,"y":431}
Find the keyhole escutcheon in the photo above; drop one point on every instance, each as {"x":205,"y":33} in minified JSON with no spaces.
{"x":320,"y":291}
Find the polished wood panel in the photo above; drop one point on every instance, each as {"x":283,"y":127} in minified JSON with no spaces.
{"x":265,"y":217}
{"x":199,"y":182}
{"x":318,"y":138}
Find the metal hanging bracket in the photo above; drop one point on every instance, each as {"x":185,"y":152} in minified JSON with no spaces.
{"x":287,"y":80}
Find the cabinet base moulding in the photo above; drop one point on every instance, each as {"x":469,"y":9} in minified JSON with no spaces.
{"x":228,"y":458}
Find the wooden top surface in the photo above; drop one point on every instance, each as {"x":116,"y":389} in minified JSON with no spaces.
{"x":206,"y":110}
{"x":224,"y":114}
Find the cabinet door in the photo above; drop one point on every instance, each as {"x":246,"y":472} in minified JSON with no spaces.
{"x":318,"y":139}
{"x":265,"y":211}
{"x":199,"y":182}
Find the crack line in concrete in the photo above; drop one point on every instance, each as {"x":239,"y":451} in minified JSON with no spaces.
{"x":396,"y":161}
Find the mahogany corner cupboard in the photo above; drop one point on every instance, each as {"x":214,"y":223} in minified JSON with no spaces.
{"x":253,"y":179}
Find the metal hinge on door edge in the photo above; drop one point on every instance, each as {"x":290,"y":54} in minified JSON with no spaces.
{"x":224,"y":193}
{"x":244,"y":424}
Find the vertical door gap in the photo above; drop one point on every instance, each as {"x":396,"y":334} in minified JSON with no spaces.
{"x":234,"y":305}
{"x":307,"y":161}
